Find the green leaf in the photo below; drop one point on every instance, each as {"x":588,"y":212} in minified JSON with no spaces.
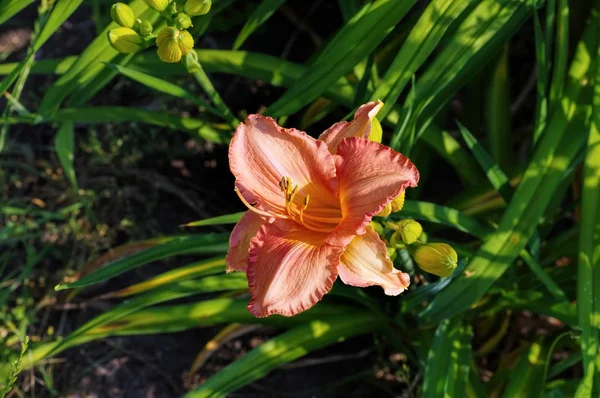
{"x":258,"y":17}
{"x":62,"y":10}
{"x":561,"y":54}
{"x":527,"y":378}
{"x":357,"y":39}
{"x":65,"y":147}
{"x":188,"y":244}
{"x":190,"y":271}
{"x":89,"y":63}
{"x":447,"y":369}
{"x":492,"y":170}
{"x":12,"y":7}
{"x":285,"y":348}
{"x":588,"y":268}
{"x":419,"y":45}
{"x":545,"y":172}
{"x":164,"y":86}
{"x":224,"y":219}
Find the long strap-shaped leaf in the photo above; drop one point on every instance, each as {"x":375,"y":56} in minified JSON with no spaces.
{"x":541,"y":179}
{"x":588,"y":278}
{"x":285,"y":348}
{"x":357,"y":39}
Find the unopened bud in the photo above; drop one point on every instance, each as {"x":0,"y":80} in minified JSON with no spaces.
{"x":377,"y":227}
{"x":146,"y":28}
{"x":122,"y":14}
{"x":391,"y":253}
{"x":386,"y":211}
{"x":436,"y":258}
{"x":158,"y":5}
{"x":173,"y":44}
{"x":125,"y":40}
{"x":182,"y":21}
{"x":376,"y":133}
{"x":197,"y":7}
{"x":396,"y":241}
{"x":409,"y":230}
{"x":398,"y":202}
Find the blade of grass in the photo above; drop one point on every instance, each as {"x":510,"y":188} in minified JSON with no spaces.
{"x":166,"y":87}
{"x":285,"y":348}
{"x":190,"y":271}
{"x":447,"y":369}
{"x":358,"y":38}
{"x":498,"y":112}
{"x":64,"y":144}
{"x":189,"y":244}
{"x":258,"y":17}
{"x":588,"y":268}
{"x":528,"y":376}
{"x":419,"y":45}
{"x":561,"y":54}
{"x":224,"y":219}
{"x":12,"y":7}
{"x":552,"y":157}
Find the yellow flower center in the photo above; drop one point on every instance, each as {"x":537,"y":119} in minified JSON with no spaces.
{"x":297,"y":212}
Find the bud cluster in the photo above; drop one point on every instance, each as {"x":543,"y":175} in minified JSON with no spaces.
{"x":173,"y":41}
{"x":407,"y":234}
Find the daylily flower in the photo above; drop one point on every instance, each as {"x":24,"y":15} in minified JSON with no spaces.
{"x":310,"y":206}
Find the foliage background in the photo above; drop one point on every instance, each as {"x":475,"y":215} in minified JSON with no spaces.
{"x":105,"y":155}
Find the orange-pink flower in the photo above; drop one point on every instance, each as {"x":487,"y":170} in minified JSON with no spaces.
{"x":310,"y":204}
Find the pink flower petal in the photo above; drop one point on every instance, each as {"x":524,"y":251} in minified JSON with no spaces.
{"x":289,"y":272}
{"x":261,"y":153}
{"x":370,"y":175}
{"x":239,"y":241}
{"x":365,"y":263}
{"x":359,"y":127}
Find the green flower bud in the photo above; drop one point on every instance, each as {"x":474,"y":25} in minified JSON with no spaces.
{"x":377,"y":227}
{"x":122,"y":14}
{"x":396,"y":241}
{"x":386,"y":211}
{"x":392,"y":253}
{"x":182,"y":21}
{"x":410,"y":230}
{"x":436,"y":258}
{"x":197,"y":7}
{"x":125,"y":40}
{"x":376,"y":133}
{"x":146,"y":28}
{"x":173,"y":44}
{"x":158,"y":5}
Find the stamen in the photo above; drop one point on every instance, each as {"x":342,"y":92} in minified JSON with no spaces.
{"x":255,"y":210}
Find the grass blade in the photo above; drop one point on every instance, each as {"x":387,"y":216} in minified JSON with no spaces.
{"x":224,"y":219}
{"x":260,"y":15}
{"x":539,"y":182}
{"x":285,"y":348}
{"x":528,"y":376}
{"x":561,"y":54}
{"x":164,"y":86}
{"x":588,"y":268}
{"x":447,"y":369}
{"x":357,"y":39}
{"x":12,"y":7}
{"x":65,"y":147}
{"x":189,"y":244}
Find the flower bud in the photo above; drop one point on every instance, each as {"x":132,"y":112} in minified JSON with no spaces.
{"x":396,"y":241}
{"x":376,"y":133}
{"x":386,"y":211}
{"x":158,"y":5}
{"x":392,"y":253}
{"x":122,"y":14}
{"x":146,"y":28}
{"x":398,"y":203}
{"x":182,"y":21}
{"x":197,"y":7}
{"x":436,"y":258}
{"x":377,"y":227}
{"x":409,"y":230}
{"x":173,"y":44}
{"x":125,"y":40}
